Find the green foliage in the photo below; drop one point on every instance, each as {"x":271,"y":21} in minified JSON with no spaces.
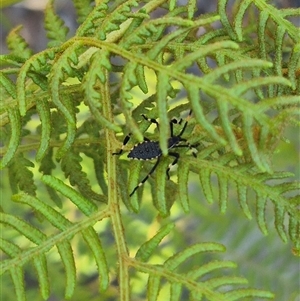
{"x":240,"y":77}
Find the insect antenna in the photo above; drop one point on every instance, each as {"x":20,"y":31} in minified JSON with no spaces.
{"x":185,"y":124}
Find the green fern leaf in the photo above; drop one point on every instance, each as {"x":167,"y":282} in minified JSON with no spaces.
{"x":146,"y":249}
{"x":244,"y":293}
{"x":32,"y":234}
{"x":206,"y":185}
{"x":7,"y":85}
{"x":175,"y":291}
{"x":46,"y":167}
{"x":113,"y":20}
{"x":260,"y":212}
{"x":133,"y":181}
{"x":138,"y":19}
{"x":16,"y":273}
{"x":99,"y":169}
{"x":222,"y":281}
{"x":260,"y":186}
{"x":208,"y":268}
{"x":241,"y":83}
{"x":55,"y":218}
{"x":20,"y":176}
{"x":44,"y":112}
{"x":183,"y":172}
{"x":73,"y":170}
{"x":242,"y":195}
{"x":40,"y":265}
{"x":163,"y":85}
{"x":91,"y":238}
{"x":279,"y":222}
{"x":17,"y":277}
{"x":199,"y":114}
{"x":178,"y":259}
{"x":99,"y":63}
{"x":57,"y":74}
{"x":66,"y":107}
{"x":223,"y":193}
{"x":153,"y":287}
{"x":39,"y":62}
{"x":56,"y":31}
{"x":69,"y":107}
{"x":66,"y":254}
{"x":160,"y":200}
{"x":84,"y":205}
{"x":92,"y":18}
{"x":83,"y":9}
{"x":15,"y":120}
{"x":17,"y":45}
{"x":293,"y":66}
{"x":141,"y":81}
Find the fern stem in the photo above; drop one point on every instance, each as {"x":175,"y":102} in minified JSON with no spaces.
{"x":175,"y":277}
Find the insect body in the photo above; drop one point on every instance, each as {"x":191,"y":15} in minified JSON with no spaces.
{"x":148,"y":149}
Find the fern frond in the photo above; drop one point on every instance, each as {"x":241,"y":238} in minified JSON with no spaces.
{"x":193,"y":94}
{"x":60,"y":240}
{"x":58,"y":73}
{"x":160,"y":200}
{"x":62,"y":69}
{"x":266,"y":9}
{"x":7,"y":86}
{"x":163,"y":86}
{"x":267,"y":47}
{"x":56,"y":30}
{"x":148,"y":32}
{"x":258,"y":183}
{"x":198,"y":288}
{"x":43,"y":110}
{"x":36,"y":62}
{"x":146,"y":249}
{"x":31,"y":233}
{"x":15,"y":134}
{"x":99,"y":166}
{"x":95,"y":74}
{"x":240,"y":83}
{"x":95,"y":91}
{"x":17,"y":45}
{"x":93,"y":20}
{"x":16,"y":273}
{"x":20,"y":175}
{"x":46,"y":167}
{"x":133,"y":181}
{"x":73,"y":170}
{"x":113,"y":20}
{"x":84,"y":205}
{"x":173,"y":262}
{"x":83,"y":9}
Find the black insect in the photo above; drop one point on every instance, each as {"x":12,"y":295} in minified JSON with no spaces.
{"x":148,"y":149}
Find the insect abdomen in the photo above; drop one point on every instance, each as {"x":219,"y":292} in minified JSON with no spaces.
{"x":146,"y":150}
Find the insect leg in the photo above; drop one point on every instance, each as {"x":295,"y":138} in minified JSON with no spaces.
{"x":184,"y":127}
{"x":190,"y":146}
{"x":176,"y":155}
{"x":173,"y":121}
{"x":152,"y":120}
{"x":145,"y":179}
{"x":126,"y":139}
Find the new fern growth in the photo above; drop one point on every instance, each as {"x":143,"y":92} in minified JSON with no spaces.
{"x":237,"y":72}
